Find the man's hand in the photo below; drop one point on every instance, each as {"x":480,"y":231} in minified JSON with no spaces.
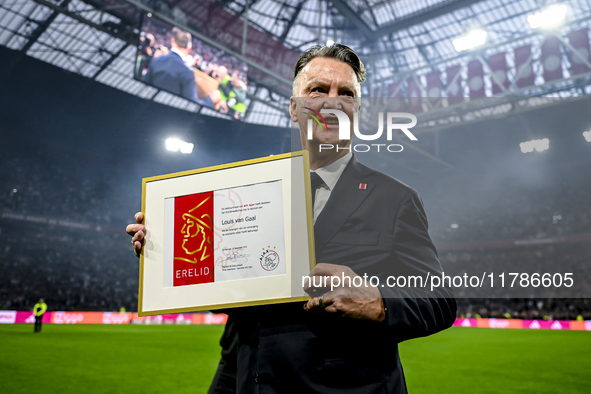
{"x":138,"y":232}
{"x":363,"y":302}
{"x":221,"y":106}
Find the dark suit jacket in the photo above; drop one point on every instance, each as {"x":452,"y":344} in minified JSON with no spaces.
{"x":380,"y":230}
{"x":169,"y":72}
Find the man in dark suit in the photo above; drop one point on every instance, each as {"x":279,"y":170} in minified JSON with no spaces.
{"x":170,"y":72}
{"x":366,"y":223}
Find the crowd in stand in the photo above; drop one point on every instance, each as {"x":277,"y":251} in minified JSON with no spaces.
{"x":64,"y":191}
{"x":71,"y":269}
{"x":522,"y":262}
{"x":550,"y":261}
{"x":526,"y":308}
{"x":475,"y":210}
{"x":88,"y":271}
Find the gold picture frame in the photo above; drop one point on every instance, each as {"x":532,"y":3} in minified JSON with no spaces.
{"x":288,"y":175}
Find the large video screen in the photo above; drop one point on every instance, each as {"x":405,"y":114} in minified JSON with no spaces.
{"x":171,"y":59}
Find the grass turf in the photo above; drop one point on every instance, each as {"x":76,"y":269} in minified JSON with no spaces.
{"x":164,"y":359}
{"x":108,"y":358}
{"x":484,"y":360}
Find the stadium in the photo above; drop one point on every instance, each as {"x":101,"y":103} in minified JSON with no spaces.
{"x":501,"y":161}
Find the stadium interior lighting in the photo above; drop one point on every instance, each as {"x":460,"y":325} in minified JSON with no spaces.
{"x":329,"y":43}
{"x":537,"y":145}
{"x":473,"y":39}
{"x":550,"y":17}
{"x":454,"y":225}
{"x":175,"y":145}
{"x":587,"y":135}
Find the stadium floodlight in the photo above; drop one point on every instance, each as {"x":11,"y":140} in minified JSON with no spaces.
{"x":537,"y":145}
{"x":548,"y":18}
{"x":175,"y":145}
{"x":187,"y":148}
{"x":587,"y":135}
{"x":473,"y":39}
{"x":454,"y":225}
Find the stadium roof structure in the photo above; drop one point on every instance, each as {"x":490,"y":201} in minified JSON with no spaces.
{"x":401,"y":42}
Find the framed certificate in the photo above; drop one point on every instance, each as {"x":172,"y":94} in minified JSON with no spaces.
{"x":233,"y":235}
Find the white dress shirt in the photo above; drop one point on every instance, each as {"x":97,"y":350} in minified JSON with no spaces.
{"x":330,"y":174}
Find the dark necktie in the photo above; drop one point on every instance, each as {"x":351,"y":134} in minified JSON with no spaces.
{"x":316,"y":181}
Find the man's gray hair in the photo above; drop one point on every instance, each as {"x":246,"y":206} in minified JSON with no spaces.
{"x":335,"y":51}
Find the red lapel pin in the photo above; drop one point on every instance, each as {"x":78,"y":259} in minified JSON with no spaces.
{"x":363,"y":186}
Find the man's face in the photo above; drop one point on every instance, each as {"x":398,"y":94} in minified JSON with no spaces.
{"x":325,"y":83}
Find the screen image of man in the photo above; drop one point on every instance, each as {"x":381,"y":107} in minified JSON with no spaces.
{"x":170,"y":72}
{"x":365,"y":223}
{"x":39,"y":309}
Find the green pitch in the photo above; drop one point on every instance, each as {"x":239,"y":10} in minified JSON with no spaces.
{"x":88,"y":359}
{"x":182,"y":359}
{"x":484,"y":360}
